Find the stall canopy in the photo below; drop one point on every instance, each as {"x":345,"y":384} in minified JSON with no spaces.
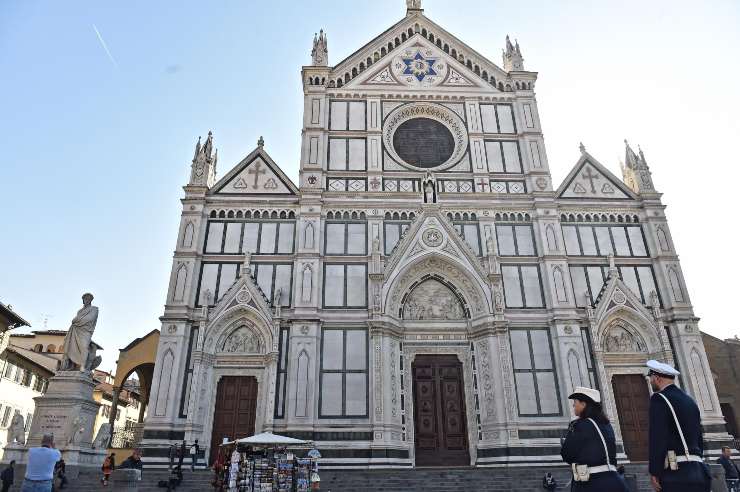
{"x":268,"y":439}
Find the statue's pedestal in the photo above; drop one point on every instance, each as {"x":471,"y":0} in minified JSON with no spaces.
{"x":65,"y":408}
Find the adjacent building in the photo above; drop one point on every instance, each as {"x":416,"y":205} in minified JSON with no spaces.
{"x":127,"y":403}
{"x":724,"y":360}
{"x":424,"y":294}
{"x":24,"y":375}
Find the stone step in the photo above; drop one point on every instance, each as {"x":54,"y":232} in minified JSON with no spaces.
{"x":513,"y":479}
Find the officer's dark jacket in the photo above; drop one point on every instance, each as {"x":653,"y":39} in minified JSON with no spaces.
{"x":663,"y":433}
{"x":583,"y":445}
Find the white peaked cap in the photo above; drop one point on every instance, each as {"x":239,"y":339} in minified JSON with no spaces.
{"x":662,"y":368}
{"x":581,"y":391}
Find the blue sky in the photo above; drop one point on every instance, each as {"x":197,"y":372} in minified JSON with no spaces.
{"x":96,"y":148}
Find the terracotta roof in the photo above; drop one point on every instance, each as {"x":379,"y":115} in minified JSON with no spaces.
{"x":14,"y":319}
{"x":45,"y":362}
{"x":60,"y":333}
{"x":50,"y":332}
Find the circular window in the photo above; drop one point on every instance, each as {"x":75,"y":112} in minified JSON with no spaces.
{"x":423,"y":142}
{"x":425,"y":136}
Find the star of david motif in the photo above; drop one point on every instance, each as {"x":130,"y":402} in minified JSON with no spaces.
{"x":419,"y":67}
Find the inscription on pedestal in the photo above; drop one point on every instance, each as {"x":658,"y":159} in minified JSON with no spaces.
{"x":52,"y":423}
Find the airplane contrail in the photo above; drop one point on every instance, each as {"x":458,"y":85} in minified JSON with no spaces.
{"x":105,"y":46}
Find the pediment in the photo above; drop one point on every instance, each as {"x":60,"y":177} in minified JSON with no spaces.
{"x":256,"y":174}
{"x":614,"y":295}
{"x":418,"y":64}
{"x":589,"y":179}
{"x":432,"y":233}
{"x":374,"y":56}
{"x":245,"y":293}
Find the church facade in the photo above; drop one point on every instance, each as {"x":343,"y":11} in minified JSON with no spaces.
{"x":425,"y":294}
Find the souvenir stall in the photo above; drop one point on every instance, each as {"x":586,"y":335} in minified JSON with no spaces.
{"x":267,"y":462}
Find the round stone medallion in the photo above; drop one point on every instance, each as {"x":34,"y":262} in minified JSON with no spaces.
{"x":432,"y":237}
{"x":619,"y":297}
{"x":243,"y":297}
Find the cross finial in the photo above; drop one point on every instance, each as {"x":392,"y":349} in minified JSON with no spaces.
{"x":582,"y":147}
{"x":260,"y":142}
{"x":413,"y":5}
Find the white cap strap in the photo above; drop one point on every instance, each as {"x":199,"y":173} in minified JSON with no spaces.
{"x":678,"y":426}
{"x":603,"y":441}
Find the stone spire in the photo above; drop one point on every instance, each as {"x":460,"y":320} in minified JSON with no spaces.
{"x":203,"y":168}
{"x":636,"y":172}
{"x":320,"y":51}
{"x":513,"y":61}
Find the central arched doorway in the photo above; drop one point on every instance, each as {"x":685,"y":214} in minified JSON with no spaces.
{"x":439,"y":411}
{"x":235,"y":411}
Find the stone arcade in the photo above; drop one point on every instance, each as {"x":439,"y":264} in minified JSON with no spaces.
{"x":425,"y":295}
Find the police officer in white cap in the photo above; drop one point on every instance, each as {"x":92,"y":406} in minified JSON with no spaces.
{"x":676,"y":445}
{"x":589,"y":447}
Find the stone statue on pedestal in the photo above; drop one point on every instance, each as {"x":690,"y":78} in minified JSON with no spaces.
{"x":79,"y":351}
{"x":103,"y":436}
{"x":17,"y":429}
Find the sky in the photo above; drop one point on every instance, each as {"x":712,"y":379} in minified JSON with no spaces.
{"x":104,"y":101}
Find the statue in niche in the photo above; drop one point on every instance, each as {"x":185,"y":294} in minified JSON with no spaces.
{"x":433,"y":300}
{"x":490,"y":251}
{"x":308,"y":235}
{"x":429,"y":192}
{"x":242,"y":340}
{"x":307,"y":283}
{"x":79,"y":350}
{"x":498,"y":299}
{"x":620,"y":340}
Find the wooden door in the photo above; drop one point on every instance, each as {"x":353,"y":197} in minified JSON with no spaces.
{"x":633,"y":406}
{"x":236,"y":407}
{"x":439,"y":411}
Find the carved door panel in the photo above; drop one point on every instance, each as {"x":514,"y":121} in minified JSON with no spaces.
{"x":236,"y":407}
{"x":633,"y":406}
{"x":439,"y":412}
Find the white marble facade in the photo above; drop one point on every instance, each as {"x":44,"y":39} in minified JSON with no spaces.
{"x":450,"y":240}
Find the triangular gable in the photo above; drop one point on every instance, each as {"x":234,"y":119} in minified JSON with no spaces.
{"x":416,"y":22}
{"x":615,"y":294}
{"x":418,"y":64}
{"x":244,"y":291}
{"x":256,"y":174}
{"x":421,"y":237}
{"x":590,"y":179}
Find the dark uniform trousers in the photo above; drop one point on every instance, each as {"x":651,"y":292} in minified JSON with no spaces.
{"x":583,"y":446}
{"x":691,"y":476}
